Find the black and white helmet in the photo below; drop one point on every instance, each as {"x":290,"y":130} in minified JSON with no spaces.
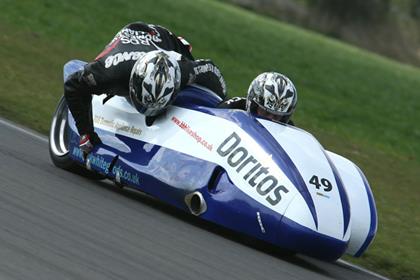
{"x":154,"y":82}
{"x":272,"y":95}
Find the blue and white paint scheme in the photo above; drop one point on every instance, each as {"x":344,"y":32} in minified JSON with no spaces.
{"x":271,"y":181}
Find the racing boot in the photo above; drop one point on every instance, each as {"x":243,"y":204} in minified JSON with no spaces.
{"x":88,"y":141}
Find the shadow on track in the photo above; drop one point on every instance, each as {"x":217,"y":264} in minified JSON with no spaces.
{"x":283,"y":254}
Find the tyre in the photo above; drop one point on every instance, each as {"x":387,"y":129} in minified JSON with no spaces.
{"x":59,"y":143}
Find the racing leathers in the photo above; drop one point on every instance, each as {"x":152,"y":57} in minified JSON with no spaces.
{"x":240,"y":103}
{"x":110,"y":71}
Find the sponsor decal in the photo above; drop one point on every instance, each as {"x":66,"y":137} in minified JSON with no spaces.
{"x":99,"y":162}
{"x":137,"y":37}
{"x":323,"y":195}
{"x":77,"y":153}
{"x":114,"y":60}
{"x":103,"y":165}
{"x":120,"y":173}
{"x":253,"y":171}
{"x":184,"y":126}
{"x":118,"y":127}
{"x":209,"y":67}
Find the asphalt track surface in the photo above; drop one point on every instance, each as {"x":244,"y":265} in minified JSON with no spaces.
{"x":57,"y":225}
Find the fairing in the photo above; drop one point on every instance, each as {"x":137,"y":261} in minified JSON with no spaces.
{"x":253,"y":174}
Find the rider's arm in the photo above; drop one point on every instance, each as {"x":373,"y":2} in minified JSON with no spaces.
{"x":204,"y":73}
{"x":78,"y":90}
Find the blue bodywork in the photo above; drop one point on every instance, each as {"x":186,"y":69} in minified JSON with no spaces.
{"x":169,"y":176}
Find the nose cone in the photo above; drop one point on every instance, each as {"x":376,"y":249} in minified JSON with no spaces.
{"x":300,"y":231}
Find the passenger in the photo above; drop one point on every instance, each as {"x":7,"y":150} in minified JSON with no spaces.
{"x":271,"y":96}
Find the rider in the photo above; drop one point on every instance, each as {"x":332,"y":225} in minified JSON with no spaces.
{"x":146,"y":62}
{"x":271,"y":95}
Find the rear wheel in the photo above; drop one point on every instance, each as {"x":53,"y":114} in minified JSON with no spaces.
{"x":59,"y":143}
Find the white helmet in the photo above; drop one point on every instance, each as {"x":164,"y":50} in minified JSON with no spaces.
{"x":154,"y":82}
{"x":272,"y":95}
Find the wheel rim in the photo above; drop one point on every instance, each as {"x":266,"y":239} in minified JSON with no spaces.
{"x":59,"y":140}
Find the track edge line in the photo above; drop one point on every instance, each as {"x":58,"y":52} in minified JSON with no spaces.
{"x":23,"y":129}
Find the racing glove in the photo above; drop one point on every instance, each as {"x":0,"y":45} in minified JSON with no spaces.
{"x":88,"y":141}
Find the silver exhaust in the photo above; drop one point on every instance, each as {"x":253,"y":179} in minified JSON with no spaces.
{"x":196,"y":203}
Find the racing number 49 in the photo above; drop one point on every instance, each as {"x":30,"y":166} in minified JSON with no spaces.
{"x":323,"y":182}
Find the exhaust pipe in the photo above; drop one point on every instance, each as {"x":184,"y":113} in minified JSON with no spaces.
{"x":196,"y":203}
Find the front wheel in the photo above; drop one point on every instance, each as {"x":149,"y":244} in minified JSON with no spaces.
{"x":59,"y":143}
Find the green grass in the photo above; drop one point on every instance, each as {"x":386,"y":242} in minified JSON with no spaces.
{"x":358,"y":104}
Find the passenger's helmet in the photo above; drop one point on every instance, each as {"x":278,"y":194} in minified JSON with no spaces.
{"x":272,"y":96}
{"x":154,"y":82}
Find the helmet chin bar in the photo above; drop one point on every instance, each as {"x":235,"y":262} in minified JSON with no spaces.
{"x":261,"y":112}
{"x":150,"y":120}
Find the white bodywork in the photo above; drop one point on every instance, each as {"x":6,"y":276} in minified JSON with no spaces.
{"x":207,"y":137}
{"x":304,"y":150}
{"x":357,"y":194}
{"x":310,"y":159}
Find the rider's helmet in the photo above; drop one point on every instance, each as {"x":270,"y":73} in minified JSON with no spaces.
{"x":272,"y":96}
{"x":154,"y":82}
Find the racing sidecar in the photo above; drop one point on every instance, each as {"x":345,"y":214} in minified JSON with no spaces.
{"x":270,"y":181}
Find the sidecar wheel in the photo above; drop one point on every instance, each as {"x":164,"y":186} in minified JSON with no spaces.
{"x":59,"y":143}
